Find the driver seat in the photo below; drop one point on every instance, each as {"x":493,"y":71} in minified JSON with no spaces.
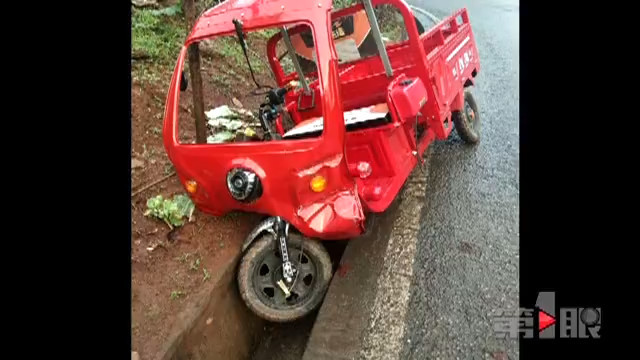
{"x":357,"y":119}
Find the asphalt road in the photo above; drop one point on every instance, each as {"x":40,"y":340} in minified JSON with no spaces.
{"x":466,"y":264}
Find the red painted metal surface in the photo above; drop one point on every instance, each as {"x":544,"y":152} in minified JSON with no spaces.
{"x":438,"y":63}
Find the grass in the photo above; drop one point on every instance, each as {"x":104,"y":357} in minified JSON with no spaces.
{"x":221,"y":81}
{"x":341,"y":4}
{"x":266,"y":34}
{"x":391,"y":22}
{"x":175,"y":294}
{"x":183,"y":259}
{"x":195,"y":264}
{"x":226,"y":77}
{"x":229,"y":48}
{"x":145,"y":74}
{"x":157,"y":34}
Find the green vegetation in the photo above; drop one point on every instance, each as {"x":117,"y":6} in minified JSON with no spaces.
{"x":171,"y":211}
{"x":195,"y":264}
{"x":341,"y":4}
{"x":183,"y":259}
{"x":157,"y":34}
{"x":391,"y":23}
{"x":176,"y":294}
{"x":229,"y":48}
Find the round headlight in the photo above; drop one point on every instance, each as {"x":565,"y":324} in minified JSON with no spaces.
{"x":244,"y":185}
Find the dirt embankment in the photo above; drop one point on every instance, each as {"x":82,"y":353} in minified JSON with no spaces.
{"x":179,"y":274}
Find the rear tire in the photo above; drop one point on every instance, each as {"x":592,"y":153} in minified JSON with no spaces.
{"x":263,"y":303}
{"x":467,"y":121}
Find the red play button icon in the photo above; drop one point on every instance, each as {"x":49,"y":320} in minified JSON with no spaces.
{"x":545,"y":320}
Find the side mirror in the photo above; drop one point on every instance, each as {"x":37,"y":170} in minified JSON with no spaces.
{"x":183,"y":82}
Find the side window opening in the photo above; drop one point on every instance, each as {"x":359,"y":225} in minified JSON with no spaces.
{"x":232,"y":104}
{"x":352,"y":36}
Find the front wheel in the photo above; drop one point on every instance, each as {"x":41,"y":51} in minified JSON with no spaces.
{"x":261,"y":269}
{"x":467,"y":121}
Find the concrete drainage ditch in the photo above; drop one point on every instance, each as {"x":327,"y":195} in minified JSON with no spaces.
{"x":220,"y":326}
{"x":217,"y":327}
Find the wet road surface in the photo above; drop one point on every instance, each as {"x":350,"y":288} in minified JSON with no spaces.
{"x":466,"y":262}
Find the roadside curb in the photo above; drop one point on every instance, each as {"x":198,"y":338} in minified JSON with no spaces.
{"x":217,"y":326}
{"x":385,"y":333}
{"x":363,"y":314}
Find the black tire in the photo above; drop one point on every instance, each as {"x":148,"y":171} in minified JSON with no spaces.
{"x":467,"y":122}
{"x":250,"y":267}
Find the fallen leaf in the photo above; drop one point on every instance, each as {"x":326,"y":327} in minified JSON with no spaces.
{"x":234,"y":125}
{"x":221,"y":112}
{"x":135,"y":163}
{"x":237,"y":102}
{"x":220,"y":137}
{"x":247,"y":113}
{"x":214,"y":122}
{"x":155,"y":246}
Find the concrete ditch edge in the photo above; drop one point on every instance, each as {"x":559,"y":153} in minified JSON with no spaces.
{"x":218,"y":326}
{"x":363,"y":314}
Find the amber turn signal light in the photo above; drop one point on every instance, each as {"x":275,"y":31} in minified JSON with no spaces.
{"x":318,"y":183}
{"x":191,"y":186}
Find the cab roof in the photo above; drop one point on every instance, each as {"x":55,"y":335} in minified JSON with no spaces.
{"x":255,"y":14}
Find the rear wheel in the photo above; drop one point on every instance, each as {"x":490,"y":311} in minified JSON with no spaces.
{"x":467,"y":121}
{"x":261,"y":269}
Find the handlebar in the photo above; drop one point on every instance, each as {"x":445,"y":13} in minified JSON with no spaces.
{"x":270,"y":110}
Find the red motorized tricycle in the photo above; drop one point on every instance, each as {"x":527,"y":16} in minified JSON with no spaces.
{"x":350,"y":118}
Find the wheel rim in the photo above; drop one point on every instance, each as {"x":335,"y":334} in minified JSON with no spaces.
{"x":269,"y":271}
{"x":469,"y":114}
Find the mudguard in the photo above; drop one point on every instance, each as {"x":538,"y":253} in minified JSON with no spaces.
{"x":264,"y":225}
